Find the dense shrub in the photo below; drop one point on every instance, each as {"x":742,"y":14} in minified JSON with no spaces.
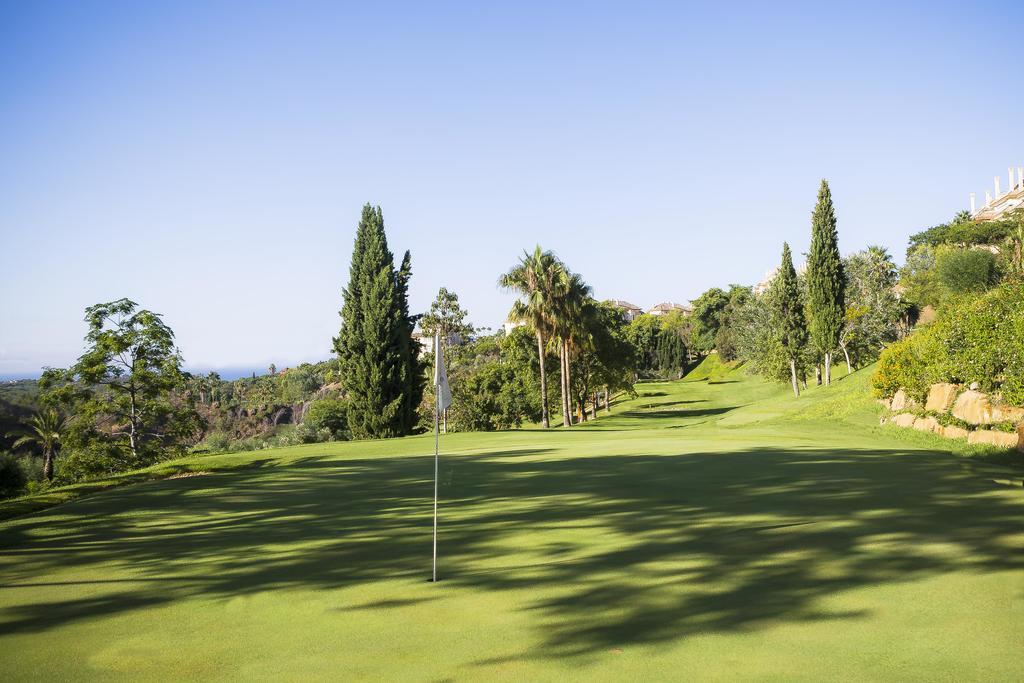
{"x":983,"y":341}
{"x":490,"y":398}
{"x":962,"y":230}
{"x":13,"y":478}
{"x":98,"y":459}
{"x":330,"y":414}
{"x":967,"y":271}
{"x":907,"y":364}
{"x":979,"y":340}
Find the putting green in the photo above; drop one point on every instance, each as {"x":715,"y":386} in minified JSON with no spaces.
{"x":704,"y":530}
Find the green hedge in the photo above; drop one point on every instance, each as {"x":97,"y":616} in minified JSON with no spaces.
{"x":978,"y":340}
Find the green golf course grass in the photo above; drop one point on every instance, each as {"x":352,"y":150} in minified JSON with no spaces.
{"x":715,"y":529}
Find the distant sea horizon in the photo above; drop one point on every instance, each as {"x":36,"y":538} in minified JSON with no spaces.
{"x":226,"y":373}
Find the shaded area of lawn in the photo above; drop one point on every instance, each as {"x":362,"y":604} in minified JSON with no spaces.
{"x":610,"y":549}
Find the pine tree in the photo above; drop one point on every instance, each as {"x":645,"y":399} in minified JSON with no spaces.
{"x":788,"y":313}
{"x":825,"y":280}
{"x":375,"y":342}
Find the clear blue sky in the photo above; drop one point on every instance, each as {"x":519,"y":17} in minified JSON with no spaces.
{"x":209,"y":160}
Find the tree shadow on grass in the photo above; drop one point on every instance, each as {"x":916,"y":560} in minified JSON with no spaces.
{"x":609,"y":550}
{"x":654,"y":412}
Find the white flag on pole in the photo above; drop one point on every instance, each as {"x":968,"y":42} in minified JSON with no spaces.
{"x":444,"y":392}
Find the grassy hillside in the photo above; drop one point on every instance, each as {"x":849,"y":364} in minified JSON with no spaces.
{"x":711,"y":368}
{"x":705,"y":529}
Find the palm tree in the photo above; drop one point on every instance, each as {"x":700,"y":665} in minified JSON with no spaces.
{"x":44,"y":429}
{"x":534,"y":278}
{"x":571,"y":297}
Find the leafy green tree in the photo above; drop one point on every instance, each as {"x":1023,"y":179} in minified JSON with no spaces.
{"x":494,"y":382}
{"x":534,"y":279}
{"x":601,"y":356}
{"x":612,"y":361}
{"x":375,"y":344}
{"x":825,"y":280}
{"x":918,"y":277}
{"x":725,"y":337}
{"x":757,"y":339}
{"x":45,"y":430}
{"x":448,"y":318}
{"x":788,"y":313}
{"x":122,"y":390}
{"x":874,"y":313}
{"x":708,"y":310}
{"x":642,"y":333}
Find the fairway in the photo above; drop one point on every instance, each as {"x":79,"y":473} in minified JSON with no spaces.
{"x":704,"y":530}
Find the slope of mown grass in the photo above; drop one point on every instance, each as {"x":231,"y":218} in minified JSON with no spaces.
{"x":701,"y":530}
{"x":711,"y":368}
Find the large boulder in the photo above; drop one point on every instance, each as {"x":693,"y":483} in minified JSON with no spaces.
{"x":974,"y":407}
{"x":903,"y":420}
{"x":927,"y":424}
{"x":1008,"y":414}
{"x":951,"y":432}
{"x":902,"y":402}
{"x":992,"y":438}
{"x":940,"y":397}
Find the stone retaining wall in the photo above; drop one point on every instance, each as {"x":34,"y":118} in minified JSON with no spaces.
{"x":970,"y":406}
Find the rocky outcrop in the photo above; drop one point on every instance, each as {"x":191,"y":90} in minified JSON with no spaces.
{"x":927,"y":424}
{"x":1008,"y":414}
{"x":974,"y":407}
{"x":901,"y":401}
{"x":993,"y":438}
{"x":951,"y":432}
{"x":903,"y":420}
{"x":940,"y":397}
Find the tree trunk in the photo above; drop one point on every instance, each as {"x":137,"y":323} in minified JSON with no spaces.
{"x":607,"y":399}
{"x":828,"y":368}
{"x":48,"y":465}
{"x":849,"y":368}
{"x":594,"y":401}
{"x":444,"y":422}
{"x":566,"y":401}
{"x":543,"y":383}
{"x":131,"y":426}
{"x":568,"y":384}
{"x":792,"y":370}
{"x":817,"y":375}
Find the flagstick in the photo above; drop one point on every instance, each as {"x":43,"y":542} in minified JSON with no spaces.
{"x":437,"y":392}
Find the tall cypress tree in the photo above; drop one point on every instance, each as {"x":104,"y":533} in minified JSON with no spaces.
{"x":788,"y":312}
{"x":413,"y":376}
{"x":825,"y":280}
{"x":375,"y":340}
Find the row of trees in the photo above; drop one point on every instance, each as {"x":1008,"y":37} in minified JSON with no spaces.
{"x":588,"y":338}
{"x":849,"y":305}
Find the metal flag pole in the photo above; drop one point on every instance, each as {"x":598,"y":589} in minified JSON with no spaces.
{"x":437,"y":393}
